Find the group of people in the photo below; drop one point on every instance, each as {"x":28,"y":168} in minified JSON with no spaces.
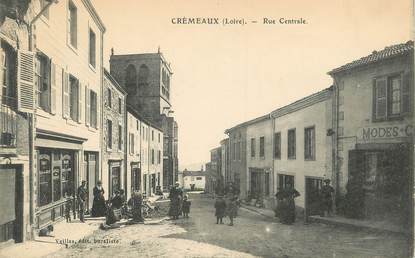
{"x":103,"y":208}
{"x":285,"y":209}
{"x":179,"y":203}
{"x":227,"y":205}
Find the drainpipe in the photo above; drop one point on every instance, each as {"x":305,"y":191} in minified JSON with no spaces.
{"x":272,"y":154}
{"x":335,"y":125}
{"x":31,"y":120}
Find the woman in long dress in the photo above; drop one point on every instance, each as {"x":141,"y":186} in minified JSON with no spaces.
{"x":98,"y":206}
{"x":287,"y":212}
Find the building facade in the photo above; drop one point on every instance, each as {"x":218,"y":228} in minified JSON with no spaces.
{"x":259,"y":161}
{"x":15,"y":130}
{"x":146,"y":77}
{"x":67,"y":52}
{"x":114,"y":173}
{"x":237,"y":157}
{"x":374,"y":154}
{"x":194,"y":180}
{"x":302,"y":147}
{"x":225,"y":166}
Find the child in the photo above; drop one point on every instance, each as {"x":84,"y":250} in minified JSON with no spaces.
{"x":68,"y":206}
{"x":186,"y":207}
{"x":220,"y":207}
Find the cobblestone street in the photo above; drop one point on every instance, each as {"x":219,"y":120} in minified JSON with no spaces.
{"x":252,"y":235}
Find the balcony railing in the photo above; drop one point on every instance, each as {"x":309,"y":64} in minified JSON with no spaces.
{"x":8,"y":121}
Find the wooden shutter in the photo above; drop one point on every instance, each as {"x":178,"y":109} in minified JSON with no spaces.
{"x":52,"y":87}
{"x":80,"y":93}
{"x":87,"y":105}
{"x":406,"y":93}
{"x":25,"y":81}
{"x":65,"y":95}
{"x":380,"y":98}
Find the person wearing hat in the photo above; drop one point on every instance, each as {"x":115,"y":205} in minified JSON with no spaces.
{"x":82,"y":195}
{"x":326,"y":198}
{"x":98,"y":205}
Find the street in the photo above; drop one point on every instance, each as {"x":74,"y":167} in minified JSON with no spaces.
{"x":252,"y":236}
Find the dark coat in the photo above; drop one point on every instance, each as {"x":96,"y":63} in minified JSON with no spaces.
{"x":186,"y":206}
{"x":220,"y":208}
{"x":98,"y":206}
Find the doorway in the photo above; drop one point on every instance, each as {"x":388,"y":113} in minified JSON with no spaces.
{"x":312,"y":196}
{"x":11,"y":190}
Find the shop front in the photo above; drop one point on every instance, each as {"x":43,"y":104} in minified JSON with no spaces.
{"x":57,"y":174}
{"x":379,"y":182}
{"x":259,"y":182}
{"x":56,"y":177}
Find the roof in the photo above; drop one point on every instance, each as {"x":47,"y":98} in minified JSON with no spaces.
{"x":140,"y":117}
{"x":376,"y":56}
{"x":252,"y":121}
{"x":94,"y":14}
{"x":303,"y":103}
{"x":114,"y":82}
{"x":193,"y":173}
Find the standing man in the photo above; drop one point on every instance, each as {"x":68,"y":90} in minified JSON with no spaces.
{"x":327,"y":198}
{"x":82,"y":195}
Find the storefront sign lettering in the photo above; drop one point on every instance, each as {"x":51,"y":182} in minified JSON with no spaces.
{"x":372,"y":133}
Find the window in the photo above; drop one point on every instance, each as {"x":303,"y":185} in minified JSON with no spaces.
{"x":72,"y":25}
{"x":277,"y":145}
{"x":93,"y":109}
{"x":341,"y":115}
{"x":234,"y":151}
{"x":43,"y":82}
{"x":8,"y":84}
{"x":92,"y":48}
{"x":391,"y":97}
{"x":109,"y":134}
{"x":291,"y":144}
{"x":238,"y":150}
{"x":119,"y":137}
{"x":158,"y":157}
{"x":262,"y":147}
{"x":309,"y":143}
{"x":152,"y":156}
{"x":138,"y":126}
{"x":284,"y":181}
{"x":152,"y":135}
{"x":159,"y":137}
{"x":109,"y":97}
{"x":131,"y":136}
{"x":267,"y":181}
{"x":119,"y":105}
{"x":253,"y":147}
{"x":43,"y":3}
{"x":198,"y":178}
{"x":74,"y":98}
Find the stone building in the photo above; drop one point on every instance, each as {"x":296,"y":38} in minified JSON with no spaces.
{"x":302,"y":148}
{"x":374,"y":146}
{"x":259,"y":161}
{"x":237,"y":157}
{"x":15,"y":127}
{"x":144,"y":157}
{"x":69,"y":76}
{"x":58,"y":88}
{"x":146,"y":77}
{"x":225,"y":166}
{"x":114,"y":133}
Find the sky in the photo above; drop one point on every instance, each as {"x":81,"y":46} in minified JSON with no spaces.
{"x":225,"y":75}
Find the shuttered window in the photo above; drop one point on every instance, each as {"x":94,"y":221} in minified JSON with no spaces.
{"x":120,"y":137}
{"x":26,"y":81}
{"x":262,"y":147}
{"x":73,"y":98}
{"x":392,"y":97}
{"x":109,"y":134}
{"x":253,"y":147}
{"x":309,"y":143}
{"x":277,"y":145}
{"x":93,"y":109}
{"x":291,"y":144}
{"x":72,"y":25}
{"x":92,"y":48}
